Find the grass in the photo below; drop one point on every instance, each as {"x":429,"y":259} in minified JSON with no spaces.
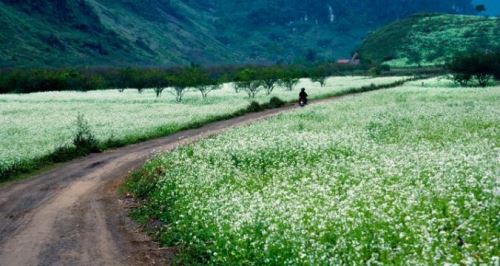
{"x":401,"y":176}
{"x":35,"y":126}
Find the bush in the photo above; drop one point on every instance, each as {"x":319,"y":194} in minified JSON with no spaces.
{"x":63,"y":154}
{"x":84,"y":141}
{"x":254,"y":107}
{"x":385,"y":68}
{"x":276,"y":102}
{"x":375,"y":71}
{"x":480,"y":67}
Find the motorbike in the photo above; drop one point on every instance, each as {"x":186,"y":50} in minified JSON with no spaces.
{"x":302,"y":102}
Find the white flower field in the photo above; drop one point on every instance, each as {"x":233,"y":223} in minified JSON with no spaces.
{"x":407,"y":176}
{"x":34,"y":125}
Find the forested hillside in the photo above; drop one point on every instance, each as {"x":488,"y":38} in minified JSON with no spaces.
{"x":431,"y":39}
{"x":172,"y":32}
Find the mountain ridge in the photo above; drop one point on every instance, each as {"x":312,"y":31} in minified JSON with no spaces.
{"x":431,"y":39}
{"x":58,"y":33}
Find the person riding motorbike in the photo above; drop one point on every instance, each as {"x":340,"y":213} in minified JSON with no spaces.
{"x":303,"y":97}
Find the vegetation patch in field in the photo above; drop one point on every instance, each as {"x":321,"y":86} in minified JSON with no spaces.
{"x":35,"y":126}
{"x":403,"y":176}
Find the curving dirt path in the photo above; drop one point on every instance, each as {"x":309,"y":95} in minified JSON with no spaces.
{"x":72,"y":215}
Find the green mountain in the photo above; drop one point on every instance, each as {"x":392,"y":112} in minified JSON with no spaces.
{"x":104,"y":32}
{"x":172,"y":32}
{"x":431,"y":39}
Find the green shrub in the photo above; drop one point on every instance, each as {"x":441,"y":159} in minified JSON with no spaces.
{"x":385,"y":68}
{"x":63,"y":154}
{"x":254,"y":107}
{"x":375,"y":71}
{"x":479,"y":67}
{"x":276,"y":102}
{"x":84,"y":140}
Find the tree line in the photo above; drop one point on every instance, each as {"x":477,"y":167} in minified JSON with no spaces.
{"x":249,"y":79}
{"x":475,"y":68}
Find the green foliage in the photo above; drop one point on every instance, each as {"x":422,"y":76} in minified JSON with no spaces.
{"x":311,"y":55}
{"x":276,"y":102}
{"x":320,"y":74}
{"x":289,"y":78}
{"x":254,"y":107}
{"x":376,"y":71}
{"x":204,"y":82}
{"x":181,"y":81}
{"x":430,"y":39}
{"x":249,"y":81}
{"x":481,"y":67}
{"x":84,"y":140}
{"x":20,"y":81}
{"x":157,"y":79}
{"x":480,"y":8}
{"x":66,"y":33}
{"x":270,"y":78}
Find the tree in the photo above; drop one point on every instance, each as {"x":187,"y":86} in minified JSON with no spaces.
{"x":157,"y":79}
{"x":414,"y":57}
{"x":180,"y":83}
{"x":289,"y":79}
{"x":269,"y":77}
{"x":480,"y":8}
{"x":133,"y":78}
{"x":320,"y":74}
{"x":205,"y":89}
{"x":481,"y":67}
{"x":236,"y":87}
{"x":203,"y":82}
{"x":289,"y":83}
{"x":311,"y":55}
{"x":247,"y":80}
{"x":178,"y":90}
{"x":320,"y":80}
{"x":375,"y":71}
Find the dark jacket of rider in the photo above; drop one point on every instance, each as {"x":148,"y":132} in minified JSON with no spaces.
{"x":303,"y":94}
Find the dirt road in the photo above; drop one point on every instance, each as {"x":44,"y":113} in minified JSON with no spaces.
{"x":72,"y":215}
